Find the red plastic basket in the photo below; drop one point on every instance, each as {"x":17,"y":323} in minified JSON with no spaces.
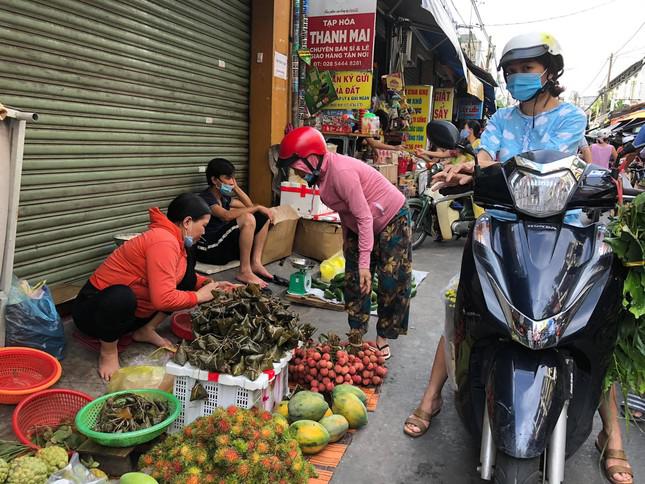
{"x":47,"y":408}
{"x":24,"y":371}
{"x":182,"y":326}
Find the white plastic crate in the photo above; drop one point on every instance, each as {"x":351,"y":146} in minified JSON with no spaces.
{"x":305,"y":200}
{"x":224,"y":390}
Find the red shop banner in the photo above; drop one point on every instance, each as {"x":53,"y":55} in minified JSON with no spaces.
{"x":341,"y":34}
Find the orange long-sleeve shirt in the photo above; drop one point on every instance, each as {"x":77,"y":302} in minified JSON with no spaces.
{"x":152,"y":265}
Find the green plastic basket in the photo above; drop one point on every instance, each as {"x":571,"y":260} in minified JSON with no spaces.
{"x":86,"y":419}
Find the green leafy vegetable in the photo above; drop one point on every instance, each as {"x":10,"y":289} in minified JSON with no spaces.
{"x":627,"y":239}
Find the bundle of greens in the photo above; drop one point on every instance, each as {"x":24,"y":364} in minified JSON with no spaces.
{"x":627,"y":239}
{"x":242,"y":333}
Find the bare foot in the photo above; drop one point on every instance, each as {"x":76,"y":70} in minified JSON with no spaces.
{"x":149,"y":335}
{"x":250,"y":278}
{"x":108,"y":363}
{"x":434,"y":405}
{"x":261,"y":271}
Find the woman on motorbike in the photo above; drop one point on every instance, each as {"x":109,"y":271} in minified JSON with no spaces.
{"x":532,"y":64}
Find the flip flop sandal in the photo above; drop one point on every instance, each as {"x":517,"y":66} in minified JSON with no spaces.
{"x":615,"y":469}
{"x":381,"y":348}
{"x":277,"y":280}
{"x":417,"y":419}
{"x":624,"y":410}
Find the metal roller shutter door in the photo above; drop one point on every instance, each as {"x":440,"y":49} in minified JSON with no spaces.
{"x":133,"y":96}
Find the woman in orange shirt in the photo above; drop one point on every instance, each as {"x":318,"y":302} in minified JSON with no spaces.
{"x":144,"y":279}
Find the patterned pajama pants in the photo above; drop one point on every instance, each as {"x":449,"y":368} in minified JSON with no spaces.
{"x":391,"y":261}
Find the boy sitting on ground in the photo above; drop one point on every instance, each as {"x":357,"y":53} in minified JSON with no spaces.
{"x":237,"y":229}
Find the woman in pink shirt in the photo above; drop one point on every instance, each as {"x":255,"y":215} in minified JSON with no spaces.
{"x":601,"y":151}
{"x":376,"y":229}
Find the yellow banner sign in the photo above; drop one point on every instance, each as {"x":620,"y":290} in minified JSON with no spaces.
{"x":418,"y":98}
{"x":444,"y":98}
{"x":354,"y":89}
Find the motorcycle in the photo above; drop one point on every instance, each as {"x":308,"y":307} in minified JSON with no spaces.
{"x":441,"y":215}
{"x":536,"y":316}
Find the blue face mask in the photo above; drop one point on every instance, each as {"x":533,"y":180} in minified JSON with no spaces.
{"x":188,"y":241}
{"x":464,"y":133}
{"x":226,"y":189}
{"x":524,"y":85}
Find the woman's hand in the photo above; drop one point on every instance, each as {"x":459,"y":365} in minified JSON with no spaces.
{"x":454,"y":175}
{"x":419,"y":152}
{"x":226,"y":286}
{"x":365,"y":281}
{"x":205,"y":293}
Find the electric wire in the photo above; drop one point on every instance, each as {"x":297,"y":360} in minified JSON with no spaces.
{"x":571,"y":14}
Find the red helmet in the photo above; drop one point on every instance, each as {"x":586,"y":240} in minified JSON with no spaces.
{"x":301,"y":143}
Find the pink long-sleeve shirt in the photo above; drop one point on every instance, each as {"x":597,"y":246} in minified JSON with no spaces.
{"x":365,"y":200}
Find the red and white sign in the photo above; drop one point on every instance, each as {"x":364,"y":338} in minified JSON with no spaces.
{"x":341,"y":34}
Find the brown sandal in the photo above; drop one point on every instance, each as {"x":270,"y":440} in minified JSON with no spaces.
{"x":417,"y":419}
{"x":613,"y":454}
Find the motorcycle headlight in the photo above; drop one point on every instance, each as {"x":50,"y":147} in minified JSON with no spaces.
{"x":541,"y":195}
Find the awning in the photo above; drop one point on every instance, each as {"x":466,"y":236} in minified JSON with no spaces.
{"x":449,"y":52}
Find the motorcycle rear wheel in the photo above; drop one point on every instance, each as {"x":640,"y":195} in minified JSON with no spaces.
{"x":510,"y":470}
{"x":418,"y":227}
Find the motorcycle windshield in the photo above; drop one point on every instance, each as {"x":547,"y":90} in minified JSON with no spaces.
{"x":541,"y":269}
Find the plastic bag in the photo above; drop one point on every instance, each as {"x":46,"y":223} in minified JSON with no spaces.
{"x":32,"y":319}
{"x":333,"y":266}
{"x":449,"y":297}
{"x":75,"y":473}
{"x":144,"y":372}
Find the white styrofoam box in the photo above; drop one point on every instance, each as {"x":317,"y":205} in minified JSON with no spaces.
{"x":224,"y":390}
{"x":305,"y":200}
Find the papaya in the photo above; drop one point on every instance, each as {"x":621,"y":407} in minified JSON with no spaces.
{"x":351,"y":389}
{"x":336,"y":425}
{"x":349,"y":406}
{"x":328,"y":413}
{"x":311,"y":436}
{"x":307,"y":406}
{"x":282,"y":408}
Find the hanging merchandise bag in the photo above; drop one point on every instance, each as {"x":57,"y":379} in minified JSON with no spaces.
{"x":32,"y":319}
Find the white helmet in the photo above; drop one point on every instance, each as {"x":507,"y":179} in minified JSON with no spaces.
{"x":532,"y":46}
{"x":603,"y":133}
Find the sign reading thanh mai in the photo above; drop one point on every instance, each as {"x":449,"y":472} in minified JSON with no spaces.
{"x":341,"y":34}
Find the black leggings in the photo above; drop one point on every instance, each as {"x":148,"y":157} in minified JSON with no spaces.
{"x":109,"y":314}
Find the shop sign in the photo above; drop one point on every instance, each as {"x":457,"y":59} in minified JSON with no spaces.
{"x":354,"y":90}
{"x":444,"y":98}
{"x":319,"y":90}
{"x":341,"y":34}
{"x":470,"y":109}
{"x":418,"y":98}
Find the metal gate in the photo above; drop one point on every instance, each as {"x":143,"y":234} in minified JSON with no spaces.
{"x":134,"y":97}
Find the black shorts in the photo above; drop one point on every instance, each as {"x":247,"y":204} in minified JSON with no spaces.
{"x":223,"y":246}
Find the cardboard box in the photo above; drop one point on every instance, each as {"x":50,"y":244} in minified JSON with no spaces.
{"x":318,"y":240}
{"x":305,"y":200}
{"x":281,"y":235}
{"x":389,"y":171}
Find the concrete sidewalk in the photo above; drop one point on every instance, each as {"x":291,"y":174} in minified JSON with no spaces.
{"x":381,"y":453}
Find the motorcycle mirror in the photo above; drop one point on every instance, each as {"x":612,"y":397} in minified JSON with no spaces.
{"x":442,"y":134}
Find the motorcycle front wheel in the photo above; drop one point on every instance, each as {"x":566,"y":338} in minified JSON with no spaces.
{"x":510,"y":470}
{"x":419,"y":222}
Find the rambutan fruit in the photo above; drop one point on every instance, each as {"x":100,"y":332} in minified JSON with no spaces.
{"x":222,"y":440}
{"x":231,"y":456}
{"x":232,"y":410}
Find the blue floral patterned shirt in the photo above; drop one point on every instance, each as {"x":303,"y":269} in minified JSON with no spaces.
{"x":511,"y":132}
